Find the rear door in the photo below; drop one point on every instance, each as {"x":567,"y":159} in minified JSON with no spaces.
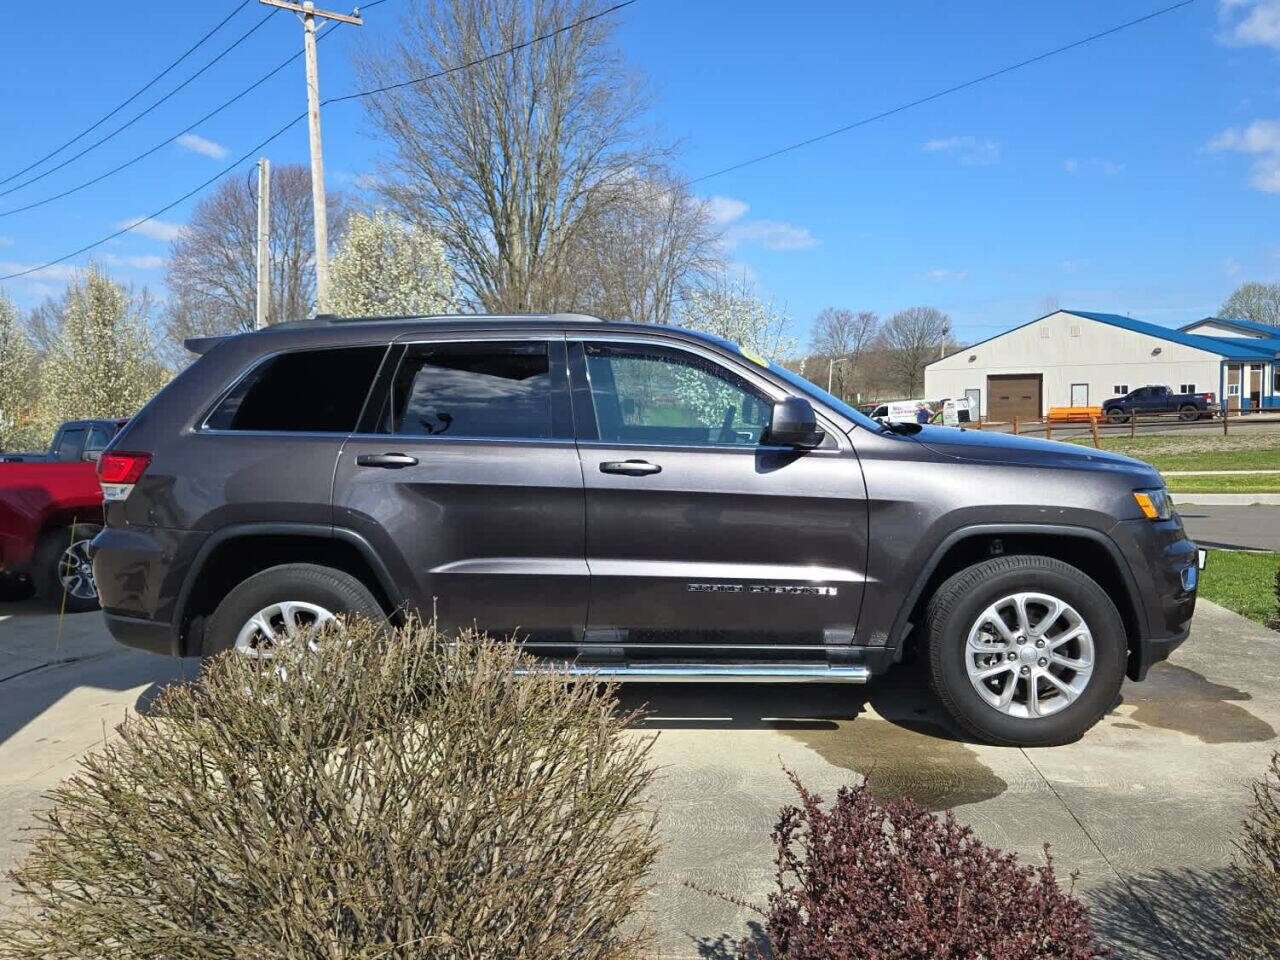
{"x":465,"y":474}
{"x":697,"y":533}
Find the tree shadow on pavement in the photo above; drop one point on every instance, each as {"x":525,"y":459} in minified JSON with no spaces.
{"x":1169,"y":913}
{"x":754,"y":946}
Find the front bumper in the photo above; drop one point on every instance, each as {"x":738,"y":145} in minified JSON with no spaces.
{"x":1148,"y":652}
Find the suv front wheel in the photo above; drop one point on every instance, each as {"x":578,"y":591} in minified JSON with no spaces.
{"x":1025,"y":650}
{"x":285,"y":604}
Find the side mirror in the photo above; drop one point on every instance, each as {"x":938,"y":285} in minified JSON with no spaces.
{"x":793,"y":424}
{"x":91,"y":455}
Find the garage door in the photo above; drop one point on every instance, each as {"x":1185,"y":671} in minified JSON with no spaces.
{"x":1014,"y":395}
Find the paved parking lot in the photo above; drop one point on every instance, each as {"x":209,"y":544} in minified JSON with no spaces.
{"x":1144,"y":807}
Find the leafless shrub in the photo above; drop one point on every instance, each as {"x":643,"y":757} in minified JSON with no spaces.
{"x":1257,"y":871}
{"x":391,"y":796}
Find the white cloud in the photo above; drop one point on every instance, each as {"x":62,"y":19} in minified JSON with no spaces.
{"x":946,"y":276}
{"x":1232,"y":268}
{"x":722,"y":210}
{"x":140,"y":262}
{"x":155,"y":229}
{"x":1260,"y":140}
{"x":1108,"y":168}
{"x":6,"y":241}
{"x":202,"y":146}
{"x":971,"y":151}
{"x":771,"y":234}
{"x":1248,"y":23}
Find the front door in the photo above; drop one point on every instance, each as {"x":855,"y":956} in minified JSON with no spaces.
{"x":1079,"y":395}
{"x":697,"y":532}
{"x":466,"y":475}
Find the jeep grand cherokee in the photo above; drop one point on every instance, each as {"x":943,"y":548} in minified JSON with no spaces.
{"x":632,"y":501}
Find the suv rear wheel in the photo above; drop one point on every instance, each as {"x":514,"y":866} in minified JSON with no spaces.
{"x":1025,"y":650}
{"x":285,"y":604}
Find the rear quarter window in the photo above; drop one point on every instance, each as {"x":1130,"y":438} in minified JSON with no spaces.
{"x":306,"y":391}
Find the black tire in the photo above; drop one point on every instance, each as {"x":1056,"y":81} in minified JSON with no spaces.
{"x":1116,"y":415}
{"x":1188,"y":412}
{"x":957,"y":605}
{"x":335,"y":591}
{"x":15,"y":588}
{"x":46,"y":570}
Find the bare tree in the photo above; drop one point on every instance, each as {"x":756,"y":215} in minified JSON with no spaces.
{"x":913,"y":337}
{"x":507,"y":161}
{"x":650,"y":240}
{"x":842,"y":335}
{"x":1259,"y":302}
{"x":212,"y":272}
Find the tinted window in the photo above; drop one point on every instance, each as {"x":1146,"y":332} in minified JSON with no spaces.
{"x":69,"y":443}
{"x":310,"y":391}
{"x":99,"y":437}
{"x":646,"y":394}
{"x":490,"y":390}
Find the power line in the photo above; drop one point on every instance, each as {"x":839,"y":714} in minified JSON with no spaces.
{"x":605,"y":12}
{"x":163,"y":143}
{"x":187,"y":129}
{"x":130,"y":122}
{"x":120,"y":106}
{"x":939,"y":94}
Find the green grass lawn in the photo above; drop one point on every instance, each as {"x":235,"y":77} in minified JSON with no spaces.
{"x":1244,"y":449}
{"x":1240,"y":483}
{"x":1243,"y":582}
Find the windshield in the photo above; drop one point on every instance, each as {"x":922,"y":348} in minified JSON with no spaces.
{"x":817,"y":393}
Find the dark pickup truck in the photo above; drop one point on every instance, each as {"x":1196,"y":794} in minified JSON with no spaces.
{"x":1152,"y":400}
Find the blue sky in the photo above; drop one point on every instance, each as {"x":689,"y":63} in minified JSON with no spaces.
{"x":1139,"y":174}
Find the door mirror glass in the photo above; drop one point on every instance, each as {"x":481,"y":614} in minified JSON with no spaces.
{"x":793,"y":424}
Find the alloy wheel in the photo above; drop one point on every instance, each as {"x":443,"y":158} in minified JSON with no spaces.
{"x":289,"y":621}
{"x":75,"y":571}
{"x":1029,"y":655}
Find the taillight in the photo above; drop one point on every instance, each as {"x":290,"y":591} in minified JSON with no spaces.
{"x":119,"y":470}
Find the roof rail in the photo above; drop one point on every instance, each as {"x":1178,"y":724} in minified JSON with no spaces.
{"x":444,"y":317}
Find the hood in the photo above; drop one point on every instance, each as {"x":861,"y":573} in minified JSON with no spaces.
{"x":981,"y":446}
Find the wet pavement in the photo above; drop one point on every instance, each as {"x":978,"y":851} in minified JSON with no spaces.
{"x":1145,"y":806}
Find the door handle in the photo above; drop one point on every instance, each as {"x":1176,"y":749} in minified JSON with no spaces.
{"x":630,"y":468}
{"x":391,"y":460}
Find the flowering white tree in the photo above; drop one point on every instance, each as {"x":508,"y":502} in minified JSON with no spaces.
{"x":729,"y":307}
{"x":386,"y":266}
{"x":18,"y":429}
{"x":104,"y":362}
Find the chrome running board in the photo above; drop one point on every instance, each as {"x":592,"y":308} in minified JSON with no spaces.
{"x":706,"y":672}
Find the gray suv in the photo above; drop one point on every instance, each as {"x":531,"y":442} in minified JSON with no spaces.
{"x":638,"y":502}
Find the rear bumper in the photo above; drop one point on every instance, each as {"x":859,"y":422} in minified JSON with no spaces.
{"x":149,"y":635}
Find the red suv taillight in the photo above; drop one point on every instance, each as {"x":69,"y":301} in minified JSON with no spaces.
{"x":119,"y":470}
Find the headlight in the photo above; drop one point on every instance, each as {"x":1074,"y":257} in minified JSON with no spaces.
{"x":1154,"y":503}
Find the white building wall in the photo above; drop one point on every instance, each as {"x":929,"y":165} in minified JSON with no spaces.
{"x":1068,"y":349}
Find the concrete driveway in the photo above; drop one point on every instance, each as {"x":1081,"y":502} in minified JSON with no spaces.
{"x":1144,"y":807}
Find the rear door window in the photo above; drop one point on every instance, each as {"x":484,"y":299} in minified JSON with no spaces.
{"x":306,"y":391}
{"x":511,"y":390}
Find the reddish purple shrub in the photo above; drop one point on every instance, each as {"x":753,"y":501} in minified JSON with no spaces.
{"x":887,"y":880}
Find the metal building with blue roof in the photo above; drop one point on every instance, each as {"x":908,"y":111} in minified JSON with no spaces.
{"x":1081,"y":358}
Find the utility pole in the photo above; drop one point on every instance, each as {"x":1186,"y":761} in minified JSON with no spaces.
{"x":264,"y":240}
{"x":308,"y":13}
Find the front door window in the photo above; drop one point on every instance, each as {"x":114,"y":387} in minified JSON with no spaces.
{"x":646,"y":394}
